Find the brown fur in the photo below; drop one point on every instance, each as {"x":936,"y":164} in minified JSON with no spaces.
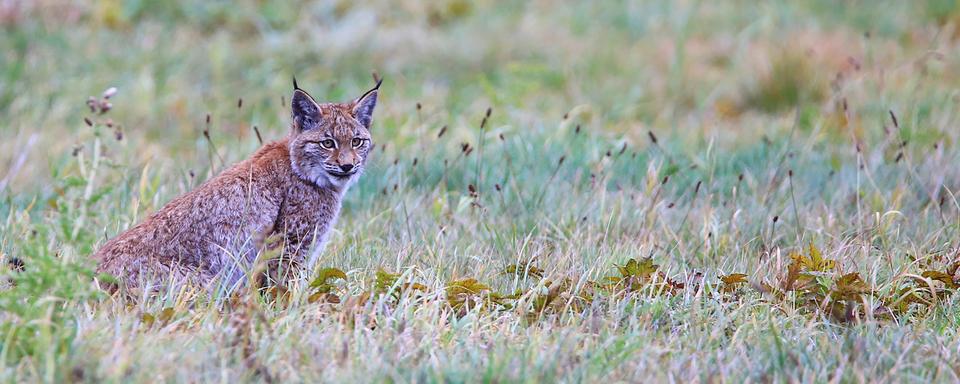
{"x":289,"y":190}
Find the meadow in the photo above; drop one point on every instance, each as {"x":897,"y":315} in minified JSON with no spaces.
{"x":583,"y":191}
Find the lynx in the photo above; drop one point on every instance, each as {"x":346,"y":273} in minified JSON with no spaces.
{"x":286,"y":196}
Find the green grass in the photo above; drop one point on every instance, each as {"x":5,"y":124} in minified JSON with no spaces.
{"x":739,"y":96}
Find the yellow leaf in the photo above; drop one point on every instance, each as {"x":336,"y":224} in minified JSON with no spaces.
{"x":322,"y":283}
{"x":166,"y":315}
{"x":944,"y":278}
{"x":148,"y":319}
{"x":814,"y":262}
{"x":523,"y":270}
{"x":734,"y":278}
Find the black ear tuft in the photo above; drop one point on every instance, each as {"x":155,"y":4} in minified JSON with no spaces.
{"x":305,"y":111}
{"x":363,"y":107}
{"x":295,"y":87}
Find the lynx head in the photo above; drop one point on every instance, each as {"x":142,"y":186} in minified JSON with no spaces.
{"x":329,"y":142}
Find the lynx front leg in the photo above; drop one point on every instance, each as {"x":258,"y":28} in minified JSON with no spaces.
{"x":244,"y":262}
{"x":235,"y":276}
{"x":318,"y":246}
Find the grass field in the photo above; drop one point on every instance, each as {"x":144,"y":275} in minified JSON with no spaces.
{"x":604,"y":171}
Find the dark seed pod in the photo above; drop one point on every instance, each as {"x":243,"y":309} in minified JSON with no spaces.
{"x":257,"y":131}
{"x":16,"y":264}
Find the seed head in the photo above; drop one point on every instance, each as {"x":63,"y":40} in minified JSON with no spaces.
{"x":109,"y":92}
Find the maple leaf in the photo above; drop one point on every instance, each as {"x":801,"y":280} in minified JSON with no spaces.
{"x":467,"y":286}
{"x":638,"y":269}
{"x":850,"y":287}
{"x":470,"y":293}
{"x":385,"y":280}
{"x":322,"y":283}
{"x":147,"y":319}
{"x":814,"y":262}
{"x":793,"y":276}
{"x":732,"y":281}
{"x":162,"y":318}
{"x":387,"y":283}
{"x":523,"y":270}
{"x":942,"y":277}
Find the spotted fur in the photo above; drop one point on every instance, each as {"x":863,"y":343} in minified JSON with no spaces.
{"x":289,"y":190}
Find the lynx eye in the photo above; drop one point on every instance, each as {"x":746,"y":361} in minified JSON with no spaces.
{"x":357,"y":142}
{"x":328,"y":144}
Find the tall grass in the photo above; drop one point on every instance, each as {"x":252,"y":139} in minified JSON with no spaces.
{"x":711,"y":137}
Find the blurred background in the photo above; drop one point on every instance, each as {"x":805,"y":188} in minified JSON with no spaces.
{"x":721,"y":74}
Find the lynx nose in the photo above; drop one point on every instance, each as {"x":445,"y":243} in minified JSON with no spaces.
{"x":346,"y":167}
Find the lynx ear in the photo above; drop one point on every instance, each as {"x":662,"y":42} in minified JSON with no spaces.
{"x":363,"y":106}
{"x":305,"y":111}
